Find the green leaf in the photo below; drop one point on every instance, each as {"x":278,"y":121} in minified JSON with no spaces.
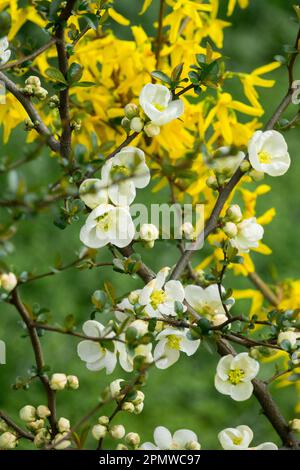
{"x":194,"y":77}
{"x":75,"y":73}
{"x":92,"y":20}
{"x":161,"y":76}
{"x":109,"y":289}
{"x":176,"y":72}
{"x":84,"y":84}
{"x":56,"y":75}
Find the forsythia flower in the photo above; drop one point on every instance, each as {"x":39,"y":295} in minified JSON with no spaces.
{"x":91,"y":352}
{"x":108,"y":224}
{"x":239,"y":438}
{"x":158,"y":297}
{"x":5,"y":53}
{"x":268,"y":153}
{"x":234,"y":375}
{"x":123,"y":173}
{"x":207,"y":302}
{"x":170,"y":342}
{"x":156,"y":101}
{"x":183,"y":439}
{"x":249,"y":232}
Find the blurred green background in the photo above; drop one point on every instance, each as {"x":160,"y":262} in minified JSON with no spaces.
{"x":183,"y":396}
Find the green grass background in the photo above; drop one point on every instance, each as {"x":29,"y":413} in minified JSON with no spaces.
{"x":184,"y":395}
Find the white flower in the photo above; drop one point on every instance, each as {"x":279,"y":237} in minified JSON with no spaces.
{"x":124,"y":173}
{"x":93,"y":192}
{"x":136,"y":124}
{"x":5,"y":53}
{"x":249,"y":232}
{"x":28,"y":413}
{"x":170,"y":342}
{"x":156,"y":101}
{"x":127,"y":306}
{"x":207,"y":302}
{"x":234,"y":375}
{"x":291,"y":335}
{"x":226,"y":163}
{"x":91,"y":352}
{"x":58,"y":381}
{"x":126,"y":357}
{"x":158,"y":297}
{"x":268,"y":152}
{"x":239,"y":438}
{"x":8,"y":281}
{"x":8,"y":441}
{"x":149,"y":232}
{"x":181,"y":440}
{"x":108,"y":224}
{"x":151,"y":129}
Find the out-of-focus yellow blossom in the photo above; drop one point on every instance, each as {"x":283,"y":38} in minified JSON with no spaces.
{"x":232,"y":4}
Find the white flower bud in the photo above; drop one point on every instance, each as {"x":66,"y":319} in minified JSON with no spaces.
{"x":294,"y":425}
{"x":115,"y":388}
{"x":8,"y":441}
{"x":35,"y":426}
{"x":140,"y":397}
{"x":128,"y":407}
{"x":58,"y":381}
{"x":41,"y":438}
{"x":140,"y":326}
{"x":151,"y":130}
{"x":73,"y":382}
{"x":60,"y":443}
{"x":133,"y":298}
{"x":193,"y":445}
{"x":27,"y":413}
{"x":212,"y":182}
{"x":149,"y":232}
{"x":103,"y":420}
{"x":99,"y":431}
{"x":132,"y":439}
{"x":3,"y":426}
{"x":117,"y":431}
{"x":125,"y":123}
{"x":230,"y":229}
{"x":138,"y":408}
{"x":290,"y":336}
{"x":131,"y":110}
{"x":63,"y":425}
{"x":218,"y":319}
{"x":256,"y":175}
{"x":8,"y":281}
{"x":121,"y":447}
{"x":41,"y":93}
{"x":92,"y":192}
{"x":43,"y":411}
{"x":188,"y":230}
{"x":245,"y":166}
{"x":234,"y":213}
{"x":136,"y":124}
{"x":33,"y":80}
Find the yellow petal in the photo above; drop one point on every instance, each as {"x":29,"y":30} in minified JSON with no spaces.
{"x":146,"y":5}
{"x":267,"y":217}
{"x":118,"y":17}
{"x":266,"y":68}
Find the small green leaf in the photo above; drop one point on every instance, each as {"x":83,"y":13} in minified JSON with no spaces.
{"x":75,"y":73}
{"x":56,"y":75}
{"x":161,"y":76}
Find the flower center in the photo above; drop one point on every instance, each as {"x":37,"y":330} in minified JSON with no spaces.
{"x":235,"y":376}
{"x":205,"y":309}
{"x":103,"y":222}
{"x":157,"y":297}
{"x":174,"y":342}
{"x":264,"y":157}
{"x":237,"y":441}
{"x":119,"y":171}
{"x":159,"y":107}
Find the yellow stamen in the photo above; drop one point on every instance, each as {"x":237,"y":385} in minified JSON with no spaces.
{"x":159,"y":107}
{"x":264,"y":157}
{"x":237,"y":441}
{"x":235,"y":376}
{"x":157,"y":297}
{"x":174,"y":342}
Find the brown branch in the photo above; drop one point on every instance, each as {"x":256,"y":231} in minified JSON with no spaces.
{"x":19,"y":431}
{"x":38,"y":354}
{"x":159,"y":32}
{"x":55,"y":329}
{"x":29,"y":57}
{"x":32,"y":112}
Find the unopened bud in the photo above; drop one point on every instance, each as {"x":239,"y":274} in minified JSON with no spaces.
{"x":60,"y":442}
{"x":188,"y":230}
{"x":27,"y":413}
{"x":99,"y":431}
{"x":140,"y":397}
{"x":63,"y":425}
{"x":103,"y":420}
{"x":151,"y":130}
{"x":35,"y":426}
{"x":132,"y":439}
{"x":117,"y":431}
{"x":149,"y":232}
{"x":131,"y":110}
{"x":73,"y":382}
{"x":8,"y":441}
{"x":43,"y":411}
{"x":245,"y":166}
{"x":121,"y":447}
{"x":58,"y":381}
{"x":125,"y":123}
{"x":8,"y":281}
{"x":128,"y":407}
{"x":136,"y":124}
{"x":193,"y":445}
{"x":33,"y":80}
{"x":115,"y":388}
{"x":257,"y":175}
{"x":230,"y":229}
{"x":138,"y":408}
{"x":234,"y":213}
{"x":294,"y":425}
{"x":212,"y":182}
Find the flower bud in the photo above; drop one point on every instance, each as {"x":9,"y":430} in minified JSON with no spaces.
{"x":294,"y":425}
{"x":151,"y":130}
{"x":138,"y":408}
{"x":218,"y":319}
{"x":117,"y":431}
{"x":58,"y":381}
{"x":33,"y":80}
{"x":60,"y":443}
{"x":230,"y":229}
{"x":193,"y":445}
{"x":73,"y":382}
{"x":35,"y":426}
{"x":149,"y":232}
{"x":43,"y":411}
{"x":133,"y":298}
{"x":132,"y":439}
{"x":296,"y":358}
{"x":140,"y":397}
{"x":125,"y":123}
{"x":188,"y":230}
{"x":103,"y":420}
{"x":41,"y":438}
{"x":234,"y":213}
{"x":63,"y":425}
{"x":245,"y":166}
{"x":256,"y":175}
{"x":212,"y":182}
{"x":92,"y":193}
{"x":99,"y":431}
{"x":290,"y":336}
{"x":136,"y":124}
{"x":27,"y":413}
{"x":128,"y":407}
{"x":8,"y":281}
{"x":121,"y":447}
{"x":131,"y":110}
{"x":115,"y":388}
{"x":41,"y":93}
{"x":255,"y":353}
{"x":3,"y":426}
{"x":54,"y":102}
{"x":140,"y":326}
{"x":8,"y":441}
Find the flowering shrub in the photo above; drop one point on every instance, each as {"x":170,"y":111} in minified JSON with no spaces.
{"x":117,"y":116}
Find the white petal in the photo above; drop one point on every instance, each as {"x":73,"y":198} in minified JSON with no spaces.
{"x":224,"y":366}
{"x":93,"y":328}
{"x":174,"y":110}
{"x":89,"y":351}
{"x":193,"y":295}
{"x":149,"y":446}
{"x":241,"y":391}
{"x":161,"y":278}
{"x":188,"y":346}
{"x":182,"y":437}
{"x":223,"y":386}
{"x":162,"y":438}
{"x":266,"y":446}
{"x":175,"y":290}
